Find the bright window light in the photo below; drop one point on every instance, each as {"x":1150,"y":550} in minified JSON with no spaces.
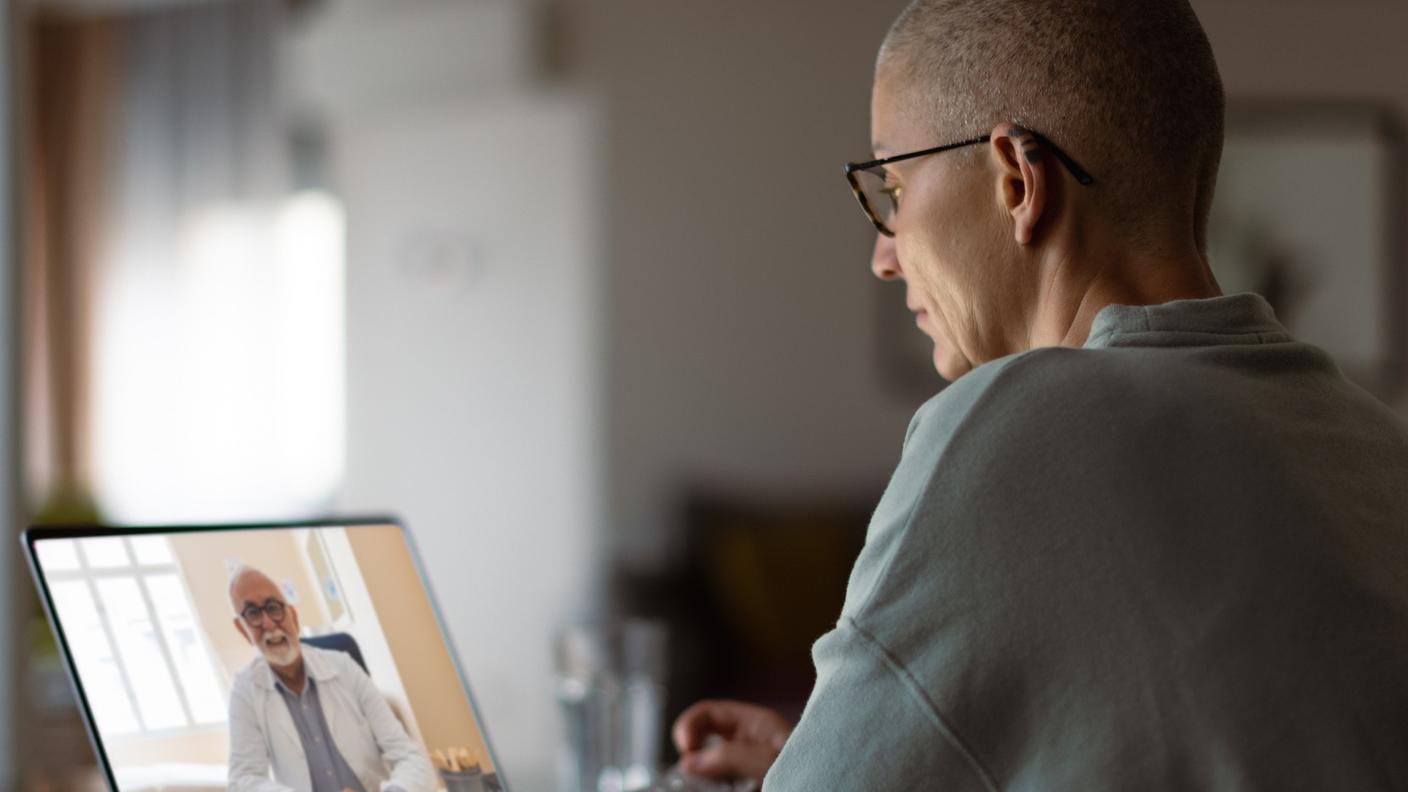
{"x":137,"y":643}
{"x":92,"y":653}
{"x":178,"y":623}
{"x":105,"y":553}
{"x":132,"y":630}
{"x":219,"y":385}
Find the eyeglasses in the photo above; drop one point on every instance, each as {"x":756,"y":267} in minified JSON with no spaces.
{"x":879,"y":197}
{"x":254,"y":614}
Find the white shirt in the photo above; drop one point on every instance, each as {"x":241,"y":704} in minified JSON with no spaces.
{"x":263,"y":736}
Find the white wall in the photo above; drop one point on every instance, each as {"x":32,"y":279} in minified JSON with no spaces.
{"x":473,"y":312}
{"x":472,"y":366}
{"x":743,"y":313}
{"x":1344,"y":50}
{"x":1306,"y":48}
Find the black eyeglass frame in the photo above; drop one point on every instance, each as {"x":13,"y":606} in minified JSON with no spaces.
{"x":1080,"y":174}
{"x":265,"y":611}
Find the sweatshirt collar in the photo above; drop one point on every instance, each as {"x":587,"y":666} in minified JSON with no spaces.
{"x":1232,"y":319}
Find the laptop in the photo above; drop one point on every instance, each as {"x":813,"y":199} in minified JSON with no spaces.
{"x":332,"y":636}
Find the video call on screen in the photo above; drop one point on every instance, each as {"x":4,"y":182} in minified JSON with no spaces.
{"x":157,"y":642}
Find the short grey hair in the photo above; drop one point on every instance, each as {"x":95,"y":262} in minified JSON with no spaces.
{"x":1129,"y":88}
{"x":238,"y":572}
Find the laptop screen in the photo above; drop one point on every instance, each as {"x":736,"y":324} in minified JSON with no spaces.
{"x":226,"y":658}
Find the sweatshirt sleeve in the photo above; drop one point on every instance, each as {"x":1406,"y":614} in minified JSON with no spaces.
{"x":869,"y":723}
{"x":869,"y":726}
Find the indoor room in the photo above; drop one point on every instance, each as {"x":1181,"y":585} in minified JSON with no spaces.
{"x":540,"y":357}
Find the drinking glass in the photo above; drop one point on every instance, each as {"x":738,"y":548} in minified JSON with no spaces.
{"x":611,"y":693}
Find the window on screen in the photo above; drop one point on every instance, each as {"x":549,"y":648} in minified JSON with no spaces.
{"x":133,"y":634}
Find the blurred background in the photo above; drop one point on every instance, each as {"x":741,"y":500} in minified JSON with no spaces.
{"x":575,"y":287}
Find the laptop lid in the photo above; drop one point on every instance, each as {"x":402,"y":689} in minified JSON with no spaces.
{"x":167,"y":667}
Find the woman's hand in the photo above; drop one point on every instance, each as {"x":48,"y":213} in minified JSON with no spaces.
{"x":729,"y":739}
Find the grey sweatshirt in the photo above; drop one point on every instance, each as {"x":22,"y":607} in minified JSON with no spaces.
{"x":1176,"y":558}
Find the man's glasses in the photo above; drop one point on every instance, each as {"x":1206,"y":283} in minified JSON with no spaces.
{"x":253,"y":615}
{"x":879,"y":196}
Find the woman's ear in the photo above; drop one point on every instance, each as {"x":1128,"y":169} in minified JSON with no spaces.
{"x":1019,"y":158}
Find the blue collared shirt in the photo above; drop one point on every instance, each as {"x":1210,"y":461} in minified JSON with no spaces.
{"x":326,"y":766}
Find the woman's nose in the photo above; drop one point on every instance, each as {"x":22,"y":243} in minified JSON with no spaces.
{"x":883,"y":261}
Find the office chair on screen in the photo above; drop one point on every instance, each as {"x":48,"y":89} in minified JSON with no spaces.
{"x":341,"y":642}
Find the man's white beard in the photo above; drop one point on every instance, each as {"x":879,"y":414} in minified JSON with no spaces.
{"x":281,"y":653}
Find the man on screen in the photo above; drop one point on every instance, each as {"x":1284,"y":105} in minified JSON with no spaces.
{"x":310,"y":715}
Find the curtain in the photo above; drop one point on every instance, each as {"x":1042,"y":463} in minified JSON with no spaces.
{"x":189,"y":366}
{"x":70,"y":92}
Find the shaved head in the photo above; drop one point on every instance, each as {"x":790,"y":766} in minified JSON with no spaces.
{"x":1129,"y":88}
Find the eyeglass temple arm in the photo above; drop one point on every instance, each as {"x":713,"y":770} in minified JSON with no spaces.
{"x":1076,"y":170}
